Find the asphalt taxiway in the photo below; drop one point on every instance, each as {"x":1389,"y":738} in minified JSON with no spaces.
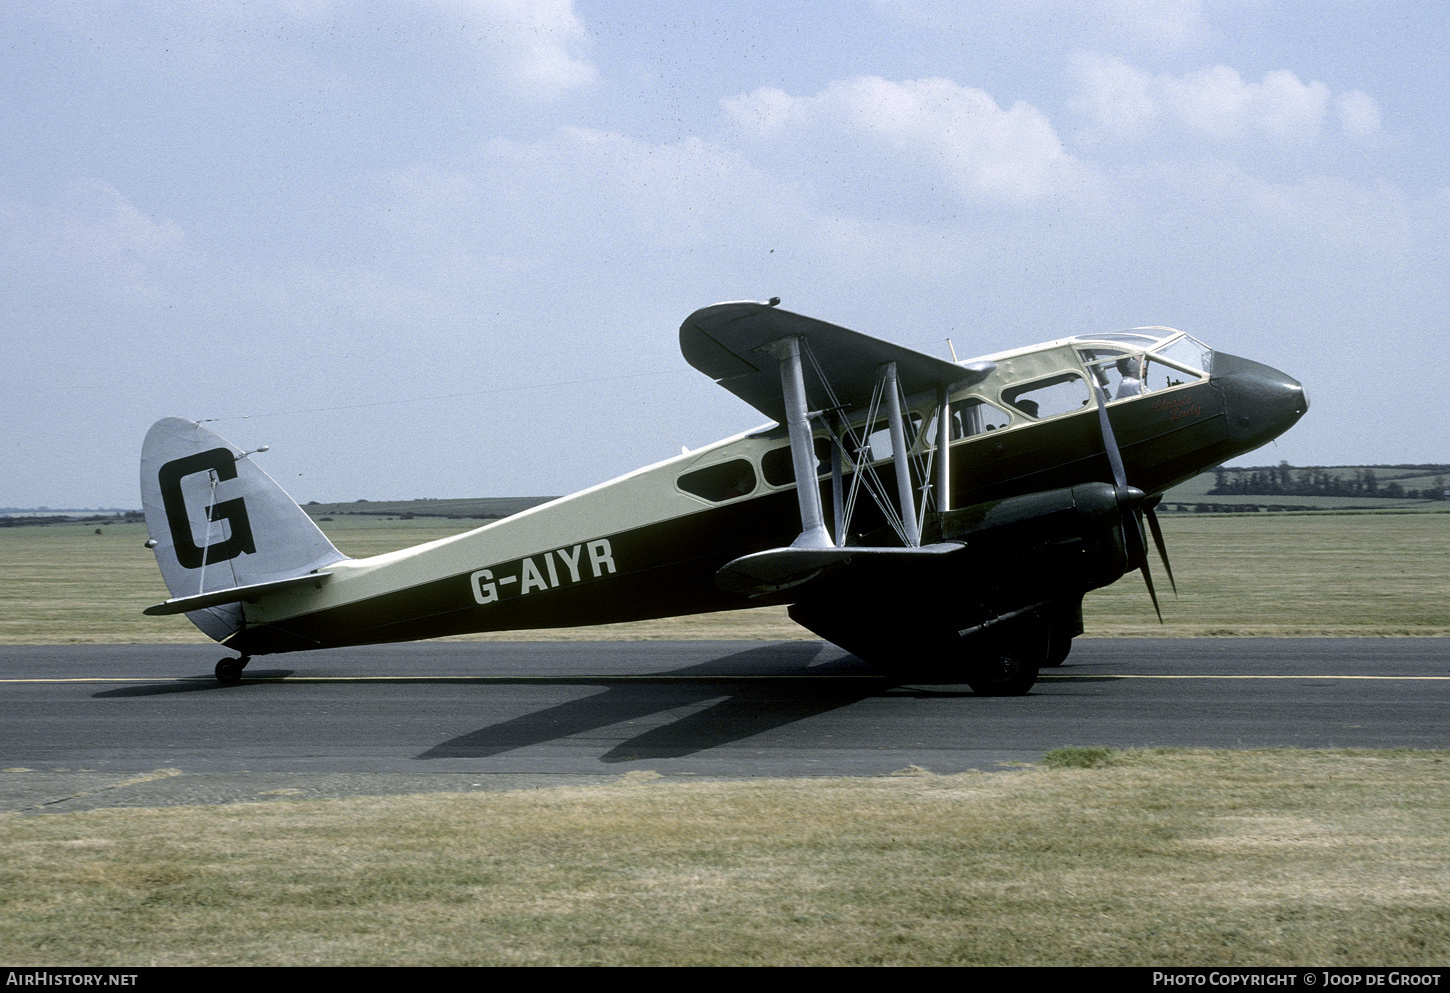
{"x":104,"y":725}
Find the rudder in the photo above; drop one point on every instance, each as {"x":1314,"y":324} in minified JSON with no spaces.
{"x":217,"y":521}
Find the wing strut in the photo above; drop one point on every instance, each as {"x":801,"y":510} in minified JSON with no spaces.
{"x":900,"y":458}
{"x":853,"y":373}
{"x":943,"y":448}
{"x":838,"y":493}
{"x":787,"y":352}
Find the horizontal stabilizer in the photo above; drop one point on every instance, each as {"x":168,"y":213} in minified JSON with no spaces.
{"x":237,"y":594}
{"x":724,"y":343}
{"x":784,"y":568}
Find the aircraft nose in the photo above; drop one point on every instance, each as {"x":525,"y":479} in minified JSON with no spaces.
{"x":1261,"y":402}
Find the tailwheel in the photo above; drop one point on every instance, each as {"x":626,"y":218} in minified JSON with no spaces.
{"x":1002,"y":673}
{"x":229,"y":670}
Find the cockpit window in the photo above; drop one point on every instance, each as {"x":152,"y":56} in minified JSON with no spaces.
{"x":1120,"y":373}
{"x":1129,"y":372}
{"x":1189,"y":352}
{"x":1159,"y":375}
{"x":1183,"y":349}
{"x":1049,"y":397}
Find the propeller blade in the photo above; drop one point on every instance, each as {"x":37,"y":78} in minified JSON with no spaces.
{"x":1132,"y":529}
{"x":1162,"y":547}
{"x":1130,"y":500}
{"x":1148,"y":578}
{"x":1110,"y":442}
{"x":1138,"y":555}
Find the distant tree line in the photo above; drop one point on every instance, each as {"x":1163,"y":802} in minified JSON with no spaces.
{"x":1250,"y":508}
{"x":128,"y":517}
{"x":1287,"y":480}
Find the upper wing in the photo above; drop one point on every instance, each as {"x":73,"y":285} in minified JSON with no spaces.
{"x":723,"y":342}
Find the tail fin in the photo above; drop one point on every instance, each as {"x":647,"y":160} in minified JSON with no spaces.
{"x":217,"y":522}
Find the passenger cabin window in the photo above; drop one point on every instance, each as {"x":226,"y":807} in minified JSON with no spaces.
{"x":721,"y":482}
{"x":778,"y":469}
{"x":970,"y":416}
{"x":1060,"y":394}
{"x":974,"y":416}
{"x":878,"y":441}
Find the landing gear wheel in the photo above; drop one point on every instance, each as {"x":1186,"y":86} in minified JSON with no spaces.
{"x":229,"y":670}
{"x":1001,"y":674}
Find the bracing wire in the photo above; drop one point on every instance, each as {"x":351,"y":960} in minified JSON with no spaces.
{"x":862,"y":471}
{"x":206,"y":544}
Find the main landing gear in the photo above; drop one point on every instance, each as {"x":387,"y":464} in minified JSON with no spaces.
{"x":999,"y":663}
{"x":229,"y":671}
{"x":1003,"y":672}
{"x":998,"y":658}
{"x":1005,"y":662}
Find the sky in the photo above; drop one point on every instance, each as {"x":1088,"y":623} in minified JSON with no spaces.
{"x":442,"y":248}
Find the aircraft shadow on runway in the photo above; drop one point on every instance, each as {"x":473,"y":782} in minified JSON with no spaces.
{"x":196,"y":684}
{"x":762,"y":688}
{"x":753,"y":691}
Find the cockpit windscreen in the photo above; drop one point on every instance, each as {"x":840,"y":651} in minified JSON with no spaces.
{"x":1144,"y":360}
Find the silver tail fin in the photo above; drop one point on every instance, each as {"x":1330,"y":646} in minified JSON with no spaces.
{"x":219,"y":523}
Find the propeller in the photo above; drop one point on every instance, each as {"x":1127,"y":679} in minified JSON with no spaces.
{"x":1148,"y":512}
{"x":1134,"y":504}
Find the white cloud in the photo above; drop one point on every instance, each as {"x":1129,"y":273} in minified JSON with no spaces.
{"x":764,"y":110}
{"x":1283,"y":107}
{"x":539,"y":40}
{"x":1214,"y":103}
{"x":961,"y":134}
{"x":1114,"y":95}
{"x":1359,"y":115}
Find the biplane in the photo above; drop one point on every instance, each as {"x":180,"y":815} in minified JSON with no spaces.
{"x":939,"y":519}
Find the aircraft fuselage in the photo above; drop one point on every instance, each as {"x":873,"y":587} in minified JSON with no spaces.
{"x":650,"y":544}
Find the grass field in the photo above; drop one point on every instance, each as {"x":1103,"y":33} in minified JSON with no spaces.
{"x":1148,"y":858}
{"x":1291,"y":575}
{"x":1244,"y":574}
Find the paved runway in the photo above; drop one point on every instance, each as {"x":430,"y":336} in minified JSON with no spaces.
{"x":99,"y":725}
